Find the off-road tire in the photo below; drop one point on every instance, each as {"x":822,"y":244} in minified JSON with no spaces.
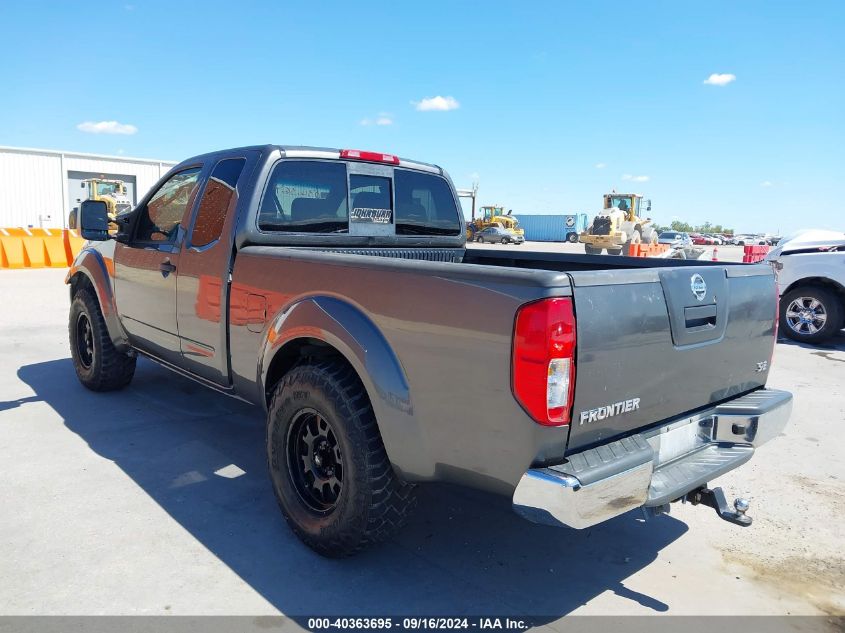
{"x":833,"y":309}
{"x":106,"y":369}
{"x":589,"y":250}
{"x":373,"y":502}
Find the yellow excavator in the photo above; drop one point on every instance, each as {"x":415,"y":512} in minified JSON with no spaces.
{"x":618,"y":225}
{"x":494,"y":216}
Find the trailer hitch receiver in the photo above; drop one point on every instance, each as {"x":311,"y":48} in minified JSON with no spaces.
{"x":715,"y":499}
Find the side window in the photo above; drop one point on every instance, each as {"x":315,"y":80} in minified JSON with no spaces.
{"x":161,"y":217}
{"x":215,"y":202}
{"x":305,"y":197}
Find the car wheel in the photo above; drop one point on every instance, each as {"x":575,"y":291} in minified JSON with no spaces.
{"x":572,"y":238}
{"x":504,"y":240}
{"x":98,"y":364}
{"x":329,"y":469}
{"x":810,"y":313}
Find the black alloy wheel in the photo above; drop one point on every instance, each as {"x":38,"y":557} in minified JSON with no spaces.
{"x":315,"y":461}
{"x":84,"y":341}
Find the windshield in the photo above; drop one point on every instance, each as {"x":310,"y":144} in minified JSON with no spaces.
{"x":107,"y":188}
{"x":623,"y":203}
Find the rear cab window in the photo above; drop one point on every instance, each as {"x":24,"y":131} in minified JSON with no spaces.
{"x":326,"y":196}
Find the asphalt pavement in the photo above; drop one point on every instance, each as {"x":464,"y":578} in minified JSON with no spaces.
{"x":156,"y":500}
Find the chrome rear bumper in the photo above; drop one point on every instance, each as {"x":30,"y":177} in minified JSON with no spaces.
{"x":654,"y":467}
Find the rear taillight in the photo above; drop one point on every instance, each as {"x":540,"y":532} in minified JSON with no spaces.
{"x":544,"y":360}
{"x":376,"y":157}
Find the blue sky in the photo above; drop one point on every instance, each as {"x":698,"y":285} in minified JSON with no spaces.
{"x":557,"y":102}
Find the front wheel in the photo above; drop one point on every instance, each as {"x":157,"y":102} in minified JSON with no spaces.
{"x":98,"y":364}
{"x":810,"y":314}
{"x":591,"y":250}
{"x":332,"y":478}
{"x":504,"y":240}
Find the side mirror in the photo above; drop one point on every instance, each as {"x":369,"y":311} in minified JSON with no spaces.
{"x":93,"y":220}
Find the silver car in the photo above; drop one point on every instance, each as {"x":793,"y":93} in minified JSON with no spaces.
{"x":497,"y":235}
{"x":675,"y":238}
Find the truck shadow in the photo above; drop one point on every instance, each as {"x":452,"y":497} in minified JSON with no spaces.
{"x":835,"y":343}
{"x":200,"y":456}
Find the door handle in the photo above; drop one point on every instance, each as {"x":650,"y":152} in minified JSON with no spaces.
{"x":166,"y":267}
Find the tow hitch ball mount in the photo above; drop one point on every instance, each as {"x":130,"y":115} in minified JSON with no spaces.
{"x":715,"y":499}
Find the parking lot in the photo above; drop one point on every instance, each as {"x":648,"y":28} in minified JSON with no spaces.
{"x":155,"y":500}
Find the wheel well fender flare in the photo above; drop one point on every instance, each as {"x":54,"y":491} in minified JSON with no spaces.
{"x":335,"y":325}
{"x":92,"y":269}
{"x":824,"y":282}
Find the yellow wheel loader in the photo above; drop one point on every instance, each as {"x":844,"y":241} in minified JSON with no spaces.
{"x":618,"y":225}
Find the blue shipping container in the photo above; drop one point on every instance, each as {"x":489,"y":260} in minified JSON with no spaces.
{"x":551,"y":228}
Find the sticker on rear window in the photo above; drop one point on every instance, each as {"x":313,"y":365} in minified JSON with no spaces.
{"x":371,"y":216}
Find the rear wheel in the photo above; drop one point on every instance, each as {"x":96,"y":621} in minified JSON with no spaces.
{"x":330,"y":472}
{"x":614,"y":251}
{"x":98,"y":364}
{"x":504,"y":240}
{"x":572,"y":238}
{"x":810,"y":313}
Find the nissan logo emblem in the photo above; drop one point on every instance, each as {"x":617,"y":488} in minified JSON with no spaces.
{"x":698,"y":287}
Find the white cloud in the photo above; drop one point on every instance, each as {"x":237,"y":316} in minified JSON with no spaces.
{"x":720,"y":79}
{"x":437,"y":103}
{"x":383,"y":118}
{"x":600,"y":165}
{"x":106,"y":127}
{"x":766,"y":183}
{"x":635,"y":178}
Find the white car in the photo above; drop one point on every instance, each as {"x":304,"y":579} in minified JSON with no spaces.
{"x":811,"y":279}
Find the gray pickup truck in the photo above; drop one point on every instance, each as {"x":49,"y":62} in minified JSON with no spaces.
{"x":333,"y":288}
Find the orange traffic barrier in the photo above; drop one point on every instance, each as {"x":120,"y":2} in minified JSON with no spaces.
{"x":646,"y":250}
{"x":15,"y":232}
{"x":54,"y":250}
{"x":754,"y":253}
{"x":34,"y":249}
{"x":38,"y":248}
{"x":72,"y":243}
{"x":12,"y":253}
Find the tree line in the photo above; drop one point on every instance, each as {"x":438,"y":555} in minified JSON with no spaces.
{"x":683,"y":227}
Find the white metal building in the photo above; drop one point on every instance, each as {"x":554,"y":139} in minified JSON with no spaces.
{"x":39,"y":187}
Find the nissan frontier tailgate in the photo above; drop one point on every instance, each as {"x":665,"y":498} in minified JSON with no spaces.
{"x":654,"y":344}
